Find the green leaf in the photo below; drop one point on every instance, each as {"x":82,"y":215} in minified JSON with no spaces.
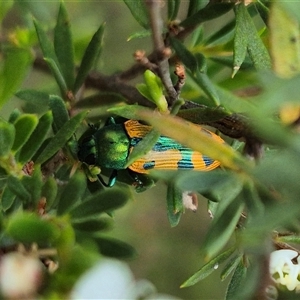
{"x":210,"y":11}
{"x":50,"y":57}
{"x":187,"y":58}
{"x":235,"y":283}
{"x":294,"y":239}
{"x":93,"y":225}
{"x":222,"y":36}
{"x":59,"y":78}
{"x":184,"y":132}
{"x":63,"y":45}
{"x":13,"y":71}
{"x":143,"y":90}
{"x":114,"y":248}
{"x":173,"y":7}
{"x":33,"y":184}
{"x":59,"y":111}
{"x":155,"y":90}
{"x":143,"y":147}
{"x":16,"y":186}
{"x":72,"y":193}
{"x":203,"y":182}
{"x":138,"y":11}
{"x":61,"y":138}
{"x":29,"y":228}
{"x":223,"y":226}
{"x":139,"y":35}
{"x":89,"y":58}
{"x":175,"y":207}
{"x":24,"y":126}
{"x":207,"y":86}
{"x":34,"y":97}
{"x":246,"y":38}
{"x":36,"y":139}
{"x":230,"y":266}
{"x":7,"y":137}
{"x":208,"y":268}
{"x":45,"y":43}
{"x":194,"y":6}
{"x":7,"y":198}
{"x":98,"y":203}
{"x":49,"y":191}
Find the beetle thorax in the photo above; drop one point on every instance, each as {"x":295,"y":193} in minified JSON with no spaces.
{"x":112,"y":145}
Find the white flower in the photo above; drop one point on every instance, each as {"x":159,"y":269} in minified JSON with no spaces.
{"x":283,"y":270}
{"x":20,"y":275}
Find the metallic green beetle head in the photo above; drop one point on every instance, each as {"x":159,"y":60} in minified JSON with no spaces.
{"x":108,"y":147}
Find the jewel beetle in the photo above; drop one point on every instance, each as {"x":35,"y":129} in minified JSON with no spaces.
{"x":108,"y":147}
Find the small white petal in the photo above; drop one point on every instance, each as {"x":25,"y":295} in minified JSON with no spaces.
{"x":109,"y":279}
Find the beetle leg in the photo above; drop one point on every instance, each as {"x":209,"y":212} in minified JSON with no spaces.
{"x":110,"y":121}
{"x":112,"y":179}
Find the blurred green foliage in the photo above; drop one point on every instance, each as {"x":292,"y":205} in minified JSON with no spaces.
{"x":241,"y":72}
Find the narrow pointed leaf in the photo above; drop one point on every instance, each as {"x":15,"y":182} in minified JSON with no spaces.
{"x":209,"y":12}
{"x":187,"y":58}
{"x":208,"y":87}
{"x":59,"y":77}
{"x":34,"y":97}
{"x":231,"y":266}
{"x":223,"y":226}
{"x":45,"y":43}
{"x":7,"y":198}
{"x":138,"y":11}
{"x":246,"y":34}
{"x":89,"y":58}
{"x":63,"y":46}
{"x":33,"y":184}
{"x":175,"y":207}
{"x":49,"y":191}
{"x":12,"y":71}
{"x":7,"y":137}
{"x":240,"y":42}
{"x":235,"y":283}
{"x":173,"y":7}
{"x":24,"y":126}
{"x":93,"y":225}
{"x":72,"y":193}
{"x":36,"y":139}
{"x":101,"y":202}
{"x":16,"y":186}
{"x":59,"y":111}
{"x":114,"y":248}
{"x":61,"y":138}
{"x":208,"y":268}
{"x":143,"y":147}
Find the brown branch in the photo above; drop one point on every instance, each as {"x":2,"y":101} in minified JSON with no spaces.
{"x":154,"y":7}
